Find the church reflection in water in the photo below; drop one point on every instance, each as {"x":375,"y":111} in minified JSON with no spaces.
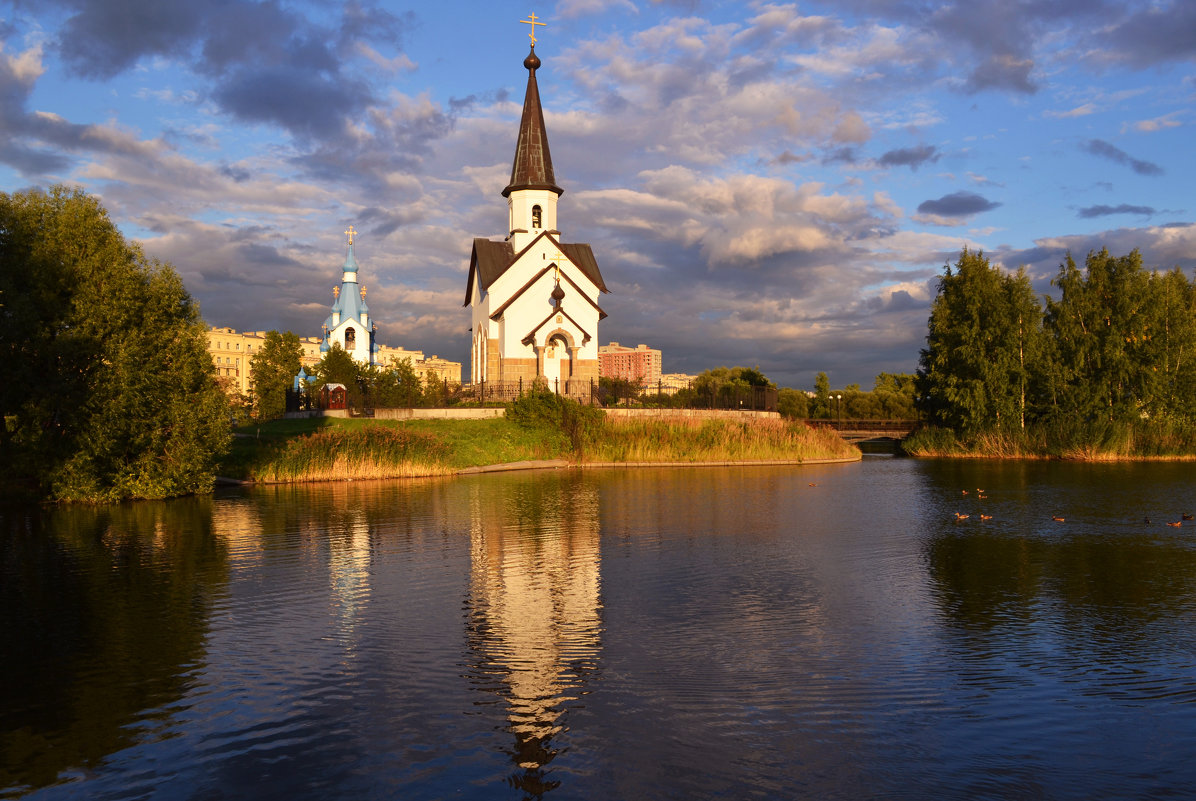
{"x":535,"y":609}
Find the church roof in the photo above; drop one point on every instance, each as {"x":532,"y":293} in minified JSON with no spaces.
{"x":532,"y":167}
{"x":490,"y":259}
{"x":531,"y":335}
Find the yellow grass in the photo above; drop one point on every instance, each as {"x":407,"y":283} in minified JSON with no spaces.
{"x":690,"y":439}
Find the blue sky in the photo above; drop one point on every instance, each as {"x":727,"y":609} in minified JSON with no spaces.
{"x":771,"y":184}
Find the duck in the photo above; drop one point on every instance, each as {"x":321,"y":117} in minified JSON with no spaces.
{"x":958,"y":516}
{"x":812,"y":484}
{"x":1176,"y":524}
{"x":982,"y":497}
{"x":1057,"y":518}
{"x":965,"y":492}
{"x":986,"y":517}
{"x":1186,"y":516}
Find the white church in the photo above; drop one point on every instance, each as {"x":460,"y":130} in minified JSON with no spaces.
{"x":533,"y":298}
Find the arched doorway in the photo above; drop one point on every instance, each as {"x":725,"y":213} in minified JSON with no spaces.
{"x":557,"y":365}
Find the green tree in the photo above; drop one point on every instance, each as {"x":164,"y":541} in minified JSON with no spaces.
{"x":1101,"y":329}
{"x":1173,"y":344}
{"x":272,"y":373}
{"x":110,"y":391}
{"x":821,"y":407}
{"x":338,"y":367}
{"x":793,"y":403}
{"x":982,"y":348}
{"x":729,"y":383}
{"x":397,"y":386}
{"x":1123,"y":340}
{"x":895,"y":395}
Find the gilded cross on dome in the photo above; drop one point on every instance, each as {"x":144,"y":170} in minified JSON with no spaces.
{"x":351,"y":233}
{"x":556,"y":260}
{"x":336,"y":292}
{"x":363,"y":291}
{"x":533,"y":22}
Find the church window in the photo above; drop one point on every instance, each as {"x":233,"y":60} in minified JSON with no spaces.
{"x":350,"y":338}
{"x":536,"y":215}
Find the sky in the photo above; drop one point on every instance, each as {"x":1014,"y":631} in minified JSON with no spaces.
{"x":763,"y":184}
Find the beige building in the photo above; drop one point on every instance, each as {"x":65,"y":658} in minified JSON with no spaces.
{"x":671,"y":383}
{"x":232,"y":352}
{"x":429,"y":368}
{"x":640,"y":364}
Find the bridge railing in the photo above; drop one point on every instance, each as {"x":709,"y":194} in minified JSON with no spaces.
{"x":880,"y":426}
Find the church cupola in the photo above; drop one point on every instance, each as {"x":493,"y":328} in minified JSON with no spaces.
{"x":532,"y":193}
{"x":350,"y":270}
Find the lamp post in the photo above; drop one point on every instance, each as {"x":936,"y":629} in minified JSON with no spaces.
{"x":839,"y":409}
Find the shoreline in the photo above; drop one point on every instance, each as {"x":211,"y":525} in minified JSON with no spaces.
{"x":556,"y":464}
{"x":1048,"y":458}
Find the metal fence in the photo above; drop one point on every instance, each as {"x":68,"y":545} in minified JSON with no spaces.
{"x":589,"y":391}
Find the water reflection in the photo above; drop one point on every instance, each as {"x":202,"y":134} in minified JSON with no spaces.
{"x":534,"y":609}
{"x":104,"y":615}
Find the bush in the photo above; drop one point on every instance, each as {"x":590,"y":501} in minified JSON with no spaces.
{"x":566,"y":425}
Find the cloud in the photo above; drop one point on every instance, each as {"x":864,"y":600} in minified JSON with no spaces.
{"x":789,"y":158}
{"x":265,"y":62}
{"x":957,"y":204}
{"x":1079,"y":111}
{"x":1157,"y":124}
{"x":912,"y":157}
{"x":1003,"y":71}
{"x":568,"y":9}
{"x":1104,"y":211}
{"x":1151,"y":34}
{"x":1099,"y":147}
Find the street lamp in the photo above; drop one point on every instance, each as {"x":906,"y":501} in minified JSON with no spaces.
{"x":839,"y":409}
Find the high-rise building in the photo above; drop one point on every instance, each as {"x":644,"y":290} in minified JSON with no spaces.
{"x":640,"y":364}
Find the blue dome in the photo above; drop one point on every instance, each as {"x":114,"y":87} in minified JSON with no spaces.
{"x":350,"y":262}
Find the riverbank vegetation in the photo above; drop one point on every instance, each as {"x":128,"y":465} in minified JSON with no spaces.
{"x":539,"y":426}
{"x":109,"y":390}
{"x":1107,"y":371}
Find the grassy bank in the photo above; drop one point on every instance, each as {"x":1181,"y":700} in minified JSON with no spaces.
{"x":1104,"y":441}
{"x":537,"y":428}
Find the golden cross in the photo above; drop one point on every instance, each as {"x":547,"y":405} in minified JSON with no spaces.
{"x":351,"y":233}
{"x":533,"y":22}
{"x":363,"y":291}
{"x":336,"y":292}
{"x":556,"y":260}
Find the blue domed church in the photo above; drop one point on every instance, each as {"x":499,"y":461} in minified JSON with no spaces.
{"x":349,"y":324}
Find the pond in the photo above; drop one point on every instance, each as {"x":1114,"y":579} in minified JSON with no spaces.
{"x":829,"y":631}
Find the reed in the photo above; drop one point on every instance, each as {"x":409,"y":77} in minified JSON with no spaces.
{"x":540,"y":428}
{"x":1093,"y":441}
{"x":338,"y":454}
{"x":685,"y":439}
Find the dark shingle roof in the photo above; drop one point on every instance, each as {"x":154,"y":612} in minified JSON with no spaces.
{"x":532,"y":167}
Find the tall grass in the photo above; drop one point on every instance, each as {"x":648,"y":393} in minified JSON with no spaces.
{"x":338,"y":454}
{"x":1099,"y":440}
{"x":688,"y":439}
{"x":539,"y":426}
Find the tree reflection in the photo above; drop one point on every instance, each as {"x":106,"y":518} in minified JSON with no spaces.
{"x":104,"y":615}
{"x":1104,"y":591}
{"x":534,"y":609}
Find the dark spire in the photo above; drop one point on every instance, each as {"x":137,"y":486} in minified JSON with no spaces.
{"x":532,"y":168}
